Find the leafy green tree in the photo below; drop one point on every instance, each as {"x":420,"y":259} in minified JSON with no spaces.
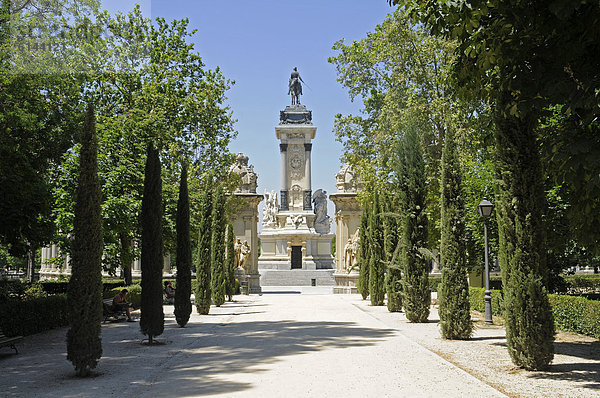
{"x":151,"y":85}
{"x":230,"y":262}
{"x":84,"y":345}
{"x":152,"y":321}
{"x":217,"y":251}
{"x":363,"y":260}
{"x":454,"y":310}
{"x":410,"y":171}
{"x":401,"y":74}
{"x":203,"y":265}
{"x":524,"y":58}
{"x":183,"y":305}
{"x":376,"y":253}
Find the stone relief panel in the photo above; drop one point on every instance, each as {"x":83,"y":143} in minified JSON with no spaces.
{"x":296,"y":161}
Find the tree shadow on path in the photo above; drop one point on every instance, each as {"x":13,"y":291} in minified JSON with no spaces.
{"x":242,"y":347}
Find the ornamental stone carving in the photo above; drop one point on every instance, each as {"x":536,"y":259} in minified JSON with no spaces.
{"x":347,"y":180}
{"x":246,"y":173}
{"x":271,"y":209}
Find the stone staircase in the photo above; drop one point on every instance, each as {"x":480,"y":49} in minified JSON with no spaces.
{"x":296,"y":277}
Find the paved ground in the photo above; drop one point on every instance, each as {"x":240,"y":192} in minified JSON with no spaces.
{"x":277,"y":344}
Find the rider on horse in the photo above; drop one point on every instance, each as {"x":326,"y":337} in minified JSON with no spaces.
{"x":295,"y":88}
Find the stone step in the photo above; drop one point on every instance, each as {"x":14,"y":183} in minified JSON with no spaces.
{"x":296,"y":277}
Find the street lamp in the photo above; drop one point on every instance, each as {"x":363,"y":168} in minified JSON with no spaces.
{"x":485,"y":210}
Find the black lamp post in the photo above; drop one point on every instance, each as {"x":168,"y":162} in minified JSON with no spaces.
{"x":485,"y":210}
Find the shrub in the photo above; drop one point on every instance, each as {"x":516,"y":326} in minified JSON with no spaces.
{"x":32,"y":315}
{"x":573,"y":314}
{"x":576,"y":314}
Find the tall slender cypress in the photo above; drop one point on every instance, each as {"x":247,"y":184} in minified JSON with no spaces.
{"x":152,"y":320}
{"x":203,"y":269}
{"x":390,"y":243}
{"x":84,"y":344}
{"x":455,"y":311}
{"x":416,"y":297}
{"x":230,"y":262}
{"x":218,"y":280}
{"x":520,"y":201}
{"x":376,"y":257}
{"x":363,"y":259}
{"x":183,"y":305}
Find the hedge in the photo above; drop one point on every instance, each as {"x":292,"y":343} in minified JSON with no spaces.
{"x":33,"y":315}
{"x":573,"y":314}
{"x":576,"y":314}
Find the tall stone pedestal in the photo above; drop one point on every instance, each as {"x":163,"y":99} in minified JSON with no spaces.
{"x":347,"y":218}
{"x":245,"y":223}
{"x":296,"y":239}
{"x":245,"y":229}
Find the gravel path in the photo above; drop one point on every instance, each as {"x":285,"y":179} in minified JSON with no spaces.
{"x":297,"y":345}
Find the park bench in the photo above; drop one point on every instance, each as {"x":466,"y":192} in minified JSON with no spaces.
{"x":10,"y":341}
{"x":110,"y":312}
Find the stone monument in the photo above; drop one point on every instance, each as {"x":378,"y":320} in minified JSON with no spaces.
{"x":245,"y":224}
{"x":347,"y":217}
{"x":295,"y":237}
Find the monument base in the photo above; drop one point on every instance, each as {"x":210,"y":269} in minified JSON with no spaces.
{"x":345,"y":283}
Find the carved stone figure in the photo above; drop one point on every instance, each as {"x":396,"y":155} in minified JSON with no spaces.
{"x":295,"y":87}
{"x":271,"y":209}
{"x":245,"y":255}
{"x":322,"y":220}
{"x":248,"y":176}
{"x":237,"y":248}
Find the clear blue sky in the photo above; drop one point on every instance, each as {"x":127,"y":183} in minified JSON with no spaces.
{"x":256,"y":44}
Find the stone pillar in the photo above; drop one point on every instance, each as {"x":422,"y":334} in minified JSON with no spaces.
{"x":347,"y":216}
{"x":245,"y":229}
{"x":307,"y":203}
{"x":284,"y":205}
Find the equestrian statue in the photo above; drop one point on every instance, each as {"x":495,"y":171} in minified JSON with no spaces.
{"x":295,"y":87}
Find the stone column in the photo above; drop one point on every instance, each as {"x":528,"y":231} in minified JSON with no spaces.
{"x":307,"y":203}
{"x":284,"y":204}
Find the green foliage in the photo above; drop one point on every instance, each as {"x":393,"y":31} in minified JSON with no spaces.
{"x":152,"y":321}
{"x":393,"y":286}
{"x":401,"y":74}
{"x":363,"y":260}
{"x":32,"y":315}
{"x":203,"y":266}
{"x":183,"y":305}
{"x":576,"y":314}
{"x":84,"y":345}
{"x":230,"y":263}
{"x":477,"y":302}
{"x":573,"y":314}
{"x":376,"y":253}
{"x":520,"y":200}
{"x":134,"y":294}
{"x":217,"y":251}
{"x":410,"y":172}
{"x":454,"y":311}
{"x":581,"y":284}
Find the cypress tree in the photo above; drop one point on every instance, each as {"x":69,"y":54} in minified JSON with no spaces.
{"x":183,"y":305}
{"x":363,"y":260}
{"x":416,"y":297}
{"x":203,"y":293}
{"x":376,"y":254}
{"x":217,"y":257}
{"x":230,"y":262}
{"x":152,"y":321}
{"x":84,"y":344}
{"x":519,"y":204}
{"x":455,"y":311}
{"x":390,"y":243}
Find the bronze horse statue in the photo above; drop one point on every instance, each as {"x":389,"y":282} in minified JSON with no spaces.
{"x":295,"y":87}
